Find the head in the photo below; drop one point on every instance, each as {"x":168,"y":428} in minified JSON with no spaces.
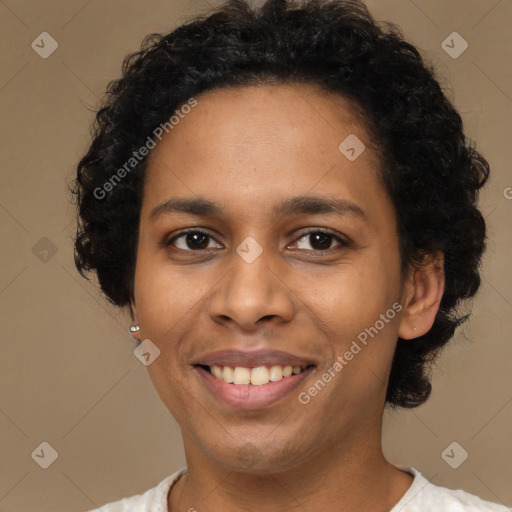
{"x":325,"y":138}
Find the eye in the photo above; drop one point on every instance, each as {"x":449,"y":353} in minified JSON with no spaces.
{"x":195,"y":241}
{"x":321,"y":240}
{"x":192,"y":240}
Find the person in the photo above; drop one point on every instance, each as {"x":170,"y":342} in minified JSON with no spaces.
{"x":285,"y":200}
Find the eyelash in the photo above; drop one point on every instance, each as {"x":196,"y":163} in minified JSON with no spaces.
{"x":342,"y":242}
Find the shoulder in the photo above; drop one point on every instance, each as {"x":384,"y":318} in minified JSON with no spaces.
{"x":424,"y":496}
{"x":153,"y":500}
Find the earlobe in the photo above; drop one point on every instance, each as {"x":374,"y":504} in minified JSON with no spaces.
{"x":133,"y":310}
{"x":422,"y":296}
{"x":134,"y":328}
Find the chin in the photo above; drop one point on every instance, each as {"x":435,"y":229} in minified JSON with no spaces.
{"x":260,"y":456}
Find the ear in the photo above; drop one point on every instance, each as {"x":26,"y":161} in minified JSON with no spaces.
{"x":422,"y":296}
{"x":133,"y":314}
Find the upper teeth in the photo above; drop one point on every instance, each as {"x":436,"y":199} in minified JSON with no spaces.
{"x":256,"y":376}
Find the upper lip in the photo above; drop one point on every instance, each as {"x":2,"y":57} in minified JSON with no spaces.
{"x":251,"y":359}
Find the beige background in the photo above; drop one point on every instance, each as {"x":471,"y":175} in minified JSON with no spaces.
{"x":68,"y":375}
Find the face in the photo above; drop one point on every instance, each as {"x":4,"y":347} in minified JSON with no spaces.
{"x":262,"y":247}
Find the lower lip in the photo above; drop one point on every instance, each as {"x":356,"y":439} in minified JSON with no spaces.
{"x":248,"y":396}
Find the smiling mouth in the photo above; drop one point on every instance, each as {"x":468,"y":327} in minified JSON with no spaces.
{"x":257,"y":376}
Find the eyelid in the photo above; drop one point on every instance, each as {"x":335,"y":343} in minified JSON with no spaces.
{"x":341,"y":239}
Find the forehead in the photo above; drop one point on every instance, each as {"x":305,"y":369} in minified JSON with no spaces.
{"x":255,"y":142}
{"x":269,"y":114}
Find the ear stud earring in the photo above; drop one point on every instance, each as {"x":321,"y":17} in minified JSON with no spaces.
{"x":134,"y":328}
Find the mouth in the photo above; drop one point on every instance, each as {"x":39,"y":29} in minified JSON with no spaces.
{"x":252,"y":380}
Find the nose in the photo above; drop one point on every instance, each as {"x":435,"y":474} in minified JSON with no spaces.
{"x":251,"y":294}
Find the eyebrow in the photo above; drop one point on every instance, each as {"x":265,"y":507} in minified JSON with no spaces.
{"x":300,"y":205}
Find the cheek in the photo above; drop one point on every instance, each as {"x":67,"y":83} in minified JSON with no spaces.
{"x":352,"y":297}
{"x":165,"y":315}
{"x":166,"y":297}
{"x":165,"y":307}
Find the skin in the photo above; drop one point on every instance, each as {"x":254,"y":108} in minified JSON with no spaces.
{"x":248,"y":149}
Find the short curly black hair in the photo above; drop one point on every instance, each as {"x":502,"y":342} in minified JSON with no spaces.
{"x":430,"y":169}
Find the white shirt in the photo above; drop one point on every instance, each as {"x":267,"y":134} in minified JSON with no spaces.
{"x":422,"y":496}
